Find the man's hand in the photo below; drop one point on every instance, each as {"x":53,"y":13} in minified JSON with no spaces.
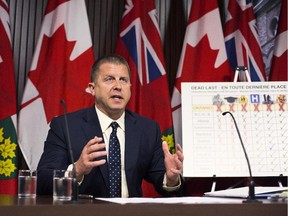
{"x":173,"y":164}
{"x":94,"y":149}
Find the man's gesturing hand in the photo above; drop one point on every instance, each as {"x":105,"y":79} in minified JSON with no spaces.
{"x":94,"y":149}
{"x":173,"y":164}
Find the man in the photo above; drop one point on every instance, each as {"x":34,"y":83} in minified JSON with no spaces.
{"x":143,"y":155}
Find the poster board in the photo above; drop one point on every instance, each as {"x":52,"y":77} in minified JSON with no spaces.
{"x":211,"y":144}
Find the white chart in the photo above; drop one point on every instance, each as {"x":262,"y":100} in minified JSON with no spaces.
{"x":210,"y":141}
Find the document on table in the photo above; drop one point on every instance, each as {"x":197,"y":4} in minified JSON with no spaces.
{"x":172,"y":200}
{"x":242,"y":192}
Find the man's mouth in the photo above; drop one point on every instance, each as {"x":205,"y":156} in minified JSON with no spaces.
{"x":116,"y":97}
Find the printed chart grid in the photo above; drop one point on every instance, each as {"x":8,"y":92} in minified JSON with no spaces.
{"x":210,"y":141}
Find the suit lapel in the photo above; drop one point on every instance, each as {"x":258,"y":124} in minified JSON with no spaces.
{"x":132,"y":140}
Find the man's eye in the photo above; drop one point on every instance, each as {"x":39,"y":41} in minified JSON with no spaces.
{"x":109,"y":79}
{"x":124,"y":80}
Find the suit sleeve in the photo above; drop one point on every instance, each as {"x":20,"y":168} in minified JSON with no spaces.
{"x":55,"y":156}
{"x":155,"y":174}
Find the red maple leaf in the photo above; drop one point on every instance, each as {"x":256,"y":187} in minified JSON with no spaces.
{"x":56,"y":77}
{"x":198,"y":65}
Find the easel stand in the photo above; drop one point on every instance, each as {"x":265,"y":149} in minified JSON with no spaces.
{"x":241,"y":75}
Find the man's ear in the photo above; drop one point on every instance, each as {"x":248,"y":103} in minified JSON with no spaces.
{"x":91,"y":87}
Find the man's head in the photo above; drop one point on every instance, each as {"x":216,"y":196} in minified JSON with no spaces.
{"x":110,"y":85}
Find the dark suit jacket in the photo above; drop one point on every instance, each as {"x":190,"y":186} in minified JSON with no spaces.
{"x":144,"y":157}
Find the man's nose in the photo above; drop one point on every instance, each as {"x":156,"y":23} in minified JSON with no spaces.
{"x":118,"y":84}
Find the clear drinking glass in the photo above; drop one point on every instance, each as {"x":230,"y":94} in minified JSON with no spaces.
{"x":62,"y":185}
{"x":27,"y":183}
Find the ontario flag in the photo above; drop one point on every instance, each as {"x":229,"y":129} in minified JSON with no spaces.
{"x":203,"y":57}
{"x":241,"y":39}
{"x":8,"y":137}
{"x":140,"y":44}
{"x":278,"y":71}
{"x":60,"y":70}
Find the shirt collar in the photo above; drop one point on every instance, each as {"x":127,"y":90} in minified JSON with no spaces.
{"x":105,"y":121}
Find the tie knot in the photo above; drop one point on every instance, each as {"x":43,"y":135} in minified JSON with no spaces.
{"x":114,"y":125}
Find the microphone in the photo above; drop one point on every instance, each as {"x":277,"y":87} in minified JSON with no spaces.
{"x":251,"y":196}
{"x":74,"y":179}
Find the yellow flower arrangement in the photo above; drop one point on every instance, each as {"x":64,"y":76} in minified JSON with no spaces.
{"x":170,"y":141}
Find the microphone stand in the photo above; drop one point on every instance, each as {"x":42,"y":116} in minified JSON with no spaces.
{"x":74,"y":179}
{"x":251,"y":195}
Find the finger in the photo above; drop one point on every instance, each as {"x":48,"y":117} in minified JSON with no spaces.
{"x":179,"y":148}
{"x":94,"y":141}
{"x":165,"y":148}
{"x":177,"y":164}
{"x":98,"y":163}
{"x":97,"y":140}
{"x":94,"y":144}
{"x":96,"y":154}
{"x":180,"y":156}
{"x":96,"y":147}
{"x":179,"y":152}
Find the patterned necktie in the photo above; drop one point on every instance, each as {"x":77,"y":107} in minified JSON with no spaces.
{"x":114,"y":163}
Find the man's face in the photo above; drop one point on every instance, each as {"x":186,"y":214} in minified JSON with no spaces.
{"x":111,"y":89}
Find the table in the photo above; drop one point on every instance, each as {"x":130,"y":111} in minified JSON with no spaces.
{"x":44,"y":205}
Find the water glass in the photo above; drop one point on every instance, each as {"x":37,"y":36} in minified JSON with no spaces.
{"x":27,"y":183}
{"x":62,"y":185}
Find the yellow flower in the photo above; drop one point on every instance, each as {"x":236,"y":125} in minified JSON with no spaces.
{"x":7,"y":167}
{"x":8,"y":149}
{"x":170,"y":141}
{"x":1,"y":135}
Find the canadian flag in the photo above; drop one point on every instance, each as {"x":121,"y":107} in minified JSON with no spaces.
{"x":279,"y":65}
{"x":60,"y":70}
{"x":203,"y":57}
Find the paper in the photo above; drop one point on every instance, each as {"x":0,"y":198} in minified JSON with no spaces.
{"x":243,"y":192}
{"x":172,"y":200}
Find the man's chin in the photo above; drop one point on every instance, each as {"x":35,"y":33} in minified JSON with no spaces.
{"x":117,"y":109}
